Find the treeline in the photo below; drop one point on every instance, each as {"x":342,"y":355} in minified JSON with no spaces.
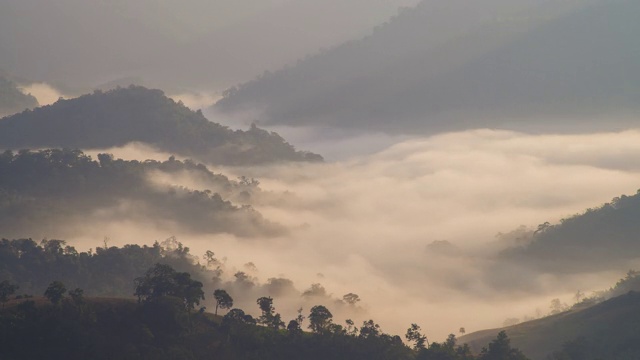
{"x":103,"y":271}
{"x":165,"y":324}
{"x":107,"y":271}
{"x":54,"y":191}
{"x":136,"y":114}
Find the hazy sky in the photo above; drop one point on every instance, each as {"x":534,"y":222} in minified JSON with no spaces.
{"x":174,"y":44}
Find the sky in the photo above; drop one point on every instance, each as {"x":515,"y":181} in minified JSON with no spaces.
{"x":176,"y":45}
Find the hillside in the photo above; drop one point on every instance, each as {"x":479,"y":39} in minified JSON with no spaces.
{"x":66,"y":193}
{"x":12,"y":100}
{"x":601,"y":238}
{"x":463,"y":65}
{"x":610,"y":330}
{"x":136,"y":114}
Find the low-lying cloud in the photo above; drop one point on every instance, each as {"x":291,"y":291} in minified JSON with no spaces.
{"x":43,"y":92}
{"x":412,"y":229}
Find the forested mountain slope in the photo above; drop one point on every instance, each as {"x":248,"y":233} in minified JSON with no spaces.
{"x":521,"y":65}
{"x":59,"y":192}
{"x":136,"y":114}
{"x":601,"y":238}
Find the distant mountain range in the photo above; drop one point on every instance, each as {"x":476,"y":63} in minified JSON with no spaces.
{"x":12,"y":100}
{"x":136,"y":114}
{"x":458,"y":65}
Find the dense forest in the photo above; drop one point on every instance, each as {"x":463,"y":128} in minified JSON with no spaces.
{"x":12,"y":100}
{"x":56,"y":191}
{"x":88,"y":321}
{"x":136,"y":114}
{"x":594,"y":240}
{"x":166,"y":323}
{"x":458,"y":65}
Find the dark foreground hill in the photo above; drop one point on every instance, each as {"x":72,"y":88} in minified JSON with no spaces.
{"x":136,"y":114}
{"x":167,"y":323}
{"x":13,"y":100}
{"x":609,"y":330}
{"x":422,"y":72}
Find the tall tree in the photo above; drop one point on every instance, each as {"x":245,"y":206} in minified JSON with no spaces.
{"x":223,"y":300}
{"x":319,"y":318}
{"x":269,"y":317}
{"x":415,"y":336}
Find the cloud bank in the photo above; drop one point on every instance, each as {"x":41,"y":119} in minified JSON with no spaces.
{"x":412,"y":229}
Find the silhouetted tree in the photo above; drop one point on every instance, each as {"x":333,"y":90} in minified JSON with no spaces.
{"x":500,"y":349}
{"x":162,"y":280}
{"x":55,"y":292}
{"x":269,"y":317}
{"x":223,"y":300}
{"x":319,"y":318}
{"x":413,"y":335}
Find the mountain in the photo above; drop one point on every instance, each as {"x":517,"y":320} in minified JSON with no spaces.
{"x":457,"y":65}
{"x":67,"y":193}
{"x":12,"y":100}
{"x":136,"y":114}
{"x":601,"y":238}
{"x":608,"y":330}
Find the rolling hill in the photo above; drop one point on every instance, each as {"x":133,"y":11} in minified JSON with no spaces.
{"x":135,"y":114}
{"x":458,"y":65}
{"x":598,"y":239}
{"x":609,"y":330}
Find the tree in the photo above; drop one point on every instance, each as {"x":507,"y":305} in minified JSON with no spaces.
{"x":413,"y":335}
{"x":294,"y":327}
{"x":369,"y":329}
{"x":223,"y":300}
{"x":462,"y":330}
{"x":557,"y":306}
{"x":55,"y":292}
{"x":162,"y":280}
{"x":238,"y":316}
{"x":351,"y":299}
{"x":269,"y":317}
{"x":500,"y":349}
{"x":319,"y":318}
{"x":7,"y":288}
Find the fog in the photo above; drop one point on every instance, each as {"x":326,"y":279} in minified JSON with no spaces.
{"x":412,"y":229}
{"x":194,"y":44}
{"x":44,"y":93}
